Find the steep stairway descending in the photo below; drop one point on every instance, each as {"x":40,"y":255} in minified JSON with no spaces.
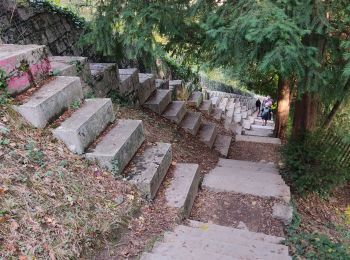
{"x":209,"y":241}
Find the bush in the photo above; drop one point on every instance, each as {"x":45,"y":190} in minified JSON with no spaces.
{"x":313,"y":165}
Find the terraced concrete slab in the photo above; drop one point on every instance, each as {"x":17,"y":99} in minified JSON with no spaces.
{"x":159,"y":101}
{"x":147,"y":86}
{"x":50,"y":100}
{"x":222,"y":144}
{"x":243,"y":181}
{"x":258,"y":139}
{"x":85,"y":124}
{"x":215,"y":101}
{"x":246,"y":124}
{"x":118,"y":146}
{"x":206,"y":107}
{"x":263,"y":133}
{"x":105,"y":77}
{"x":207,"y":134}
{"x":183,"y":187}
{"x":248,"y":166}
{"x":191,"y":122}
{"x":260,"y":127}
{"x":196,"y":99}
{"x":231,"y":104}
{"x":175,"y":111}
{"x":217,"y":113}
{"x":150,"y":168}
{"x":223,"y":104}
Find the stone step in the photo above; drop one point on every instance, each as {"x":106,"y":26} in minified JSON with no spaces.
{"x":175,"y":111}
{"x":249,"y":166}
{"x":233,"y":244}
{"x":222,"y":144}
{"x":207,"y":134}
{"x":206,"y":107}
{"x":129,"y":80}
{"x":184,"y":254}
{"x":191,"y":122}
{"x":270,"y":185}
{"x":118,"y":146}
{"x":228,"y":233}
{"x":162,"y":83}
{"x":217,"y":113}
{"x":51,"y":100}
{"x":147,"y":86}
{"x":258,"y":139}
{"x":244,"y":114}
{"x":263,"y":133}
{"x":72,"y":66}
{"x":158,"y":101}
{"x":105,"y":77}
{"x":196,"y":99}
{"x":223,"y":104}
{"x":246,"y":123}
{"x":231,"y":104}
{"x":183,"y":188}
{"x":229,"y":116}
{"x":13,"y":60}
{"x":150,"y":167}
{"x":215,"y":101}
{"x":237,"y":117}
{"x":261,"y":127}
{"x":85,"y":124}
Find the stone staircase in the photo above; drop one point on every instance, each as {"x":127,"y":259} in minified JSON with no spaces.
{"x":92,"y":129}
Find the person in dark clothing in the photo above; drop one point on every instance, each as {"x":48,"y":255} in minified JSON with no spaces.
{"x":265,"y":113}
{"x":258,"y":105}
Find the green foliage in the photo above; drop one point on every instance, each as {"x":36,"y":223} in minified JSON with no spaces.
{"x":75,"y":104}
{"x":313,"y":164}
{"x":4,"y":96}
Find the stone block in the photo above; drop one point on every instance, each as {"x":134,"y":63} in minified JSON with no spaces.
{"x":283,"y":212}
{"x":222,"y":144}
{"x":50,"y":100}
{"x":159,"y":101}
{"x":191,"y":122}
{"x":206,"y":107}
{"x":147,"y":86}
{"x":162,"y":83}
{"x":105,"y":78}
{"x":246,"y":124}
{"x":175,"y":111}
{"x":85,"y":124}
{"x":118,"y":146}
{"x":207,"y":134}
{"x":196,"y":99}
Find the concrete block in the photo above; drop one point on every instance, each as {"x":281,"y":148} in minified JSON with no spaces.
{"x":118,"y":146}
{"x":175,"y":111}
{"x":196,"y":99}
{"x":246,"y":124}
{"x":105,"y":78}
{"x":223,"y":104}
{"x":206,"y":107}
{"x":217,"y":113}
{"x":191,"y":122}
{"x":162,"y":84}
{"x":150,"y":168}
{"x":147,"y":86}
{"x":158,"y":101}
{"x":215,"y":101}
{"x":85,"y":124}
{"x":258,"y":139}
{"x":222,"y":144}
{"x":50,"y":100}
{"x":207,"y":134}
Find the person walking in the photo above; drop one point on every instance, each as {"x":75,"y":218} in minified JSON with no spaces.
{"x":258,"y":105}
{"x":265,"y":113}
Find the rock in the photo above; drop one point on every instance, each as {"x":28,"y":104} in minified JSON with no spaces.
{"x":283,"y":212}
{"x":119,"y":200}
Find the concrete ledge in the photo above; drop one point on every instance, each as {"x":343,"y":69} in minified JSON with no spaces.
{"x":175,"y":111}
{"x":159,"y":101}
{"x":191,"y":122}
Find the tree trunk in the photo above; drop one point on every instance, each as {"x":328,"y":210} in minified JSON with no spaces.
{"x":331,"y":115}
{"x":305,"y":114}
{"x":283,"y":107}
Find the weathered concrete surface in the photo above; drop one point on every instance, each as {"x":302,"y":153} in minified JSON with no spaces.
{"x":246,"y":124}
{"x":249,"y":166}
{"x":245,"y":181}
{"x":207,"y":134}
{"x":231,"y":104}
{"x":129,"y":84}
{"x":191,"y":122}
{"x":162,"y":83}
{"x":72,"y":66}
{"x":82,"y":128}
{"x":261,"y":132}
{"x":150,"y":168}
{"x":217,"y":113}
{"x":196,"y":99}
{"x":222,"y":144}
{"x":260,"y":127}
{"x":206,"y":107}
{"x":175,"y":111}
{"x":105,"y":77}
{"x":223,"y":104}
{"x":159,"y":101}
{"x":183,"y":187}
{"x":50,"y":100}
{"x":283,"y":212}
{"x":215,"y":101}
{"x":146,"y":87}
{"x":26,"y":65}
{"x":118,"y":146}
{"x":237,"y":117}
{"x":258,"y":139}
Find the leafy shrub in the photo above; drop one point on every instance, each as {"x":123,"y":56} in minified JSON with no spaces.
{"x":313,"y":165}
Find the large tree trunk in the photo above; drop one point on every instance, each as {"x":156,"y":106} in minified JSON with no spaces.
{"x":305,"y":114}
{"x":283,"y":107}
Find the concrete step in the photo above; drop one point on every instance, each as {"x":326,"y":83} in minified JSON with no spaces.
{"x":105,"y":77}
{"x":191,"y":122}
{"x":162,"y":84}
{"x":150,"y":167}
{"x":207,"y":134}
{"x":14,"y":57}
{"x":158,"y":101}
{"x":129,"y":80}
{"x":147,"y":86}
{"x":85,"y":124}
{"x":237,"y":117}
{"x":226,"y":234}
{"x":51,"y":100}
{"x":215,"y":101}
{"x":258,"y":139}
{"x":184,"y":254}
{"x":222,"y":144}
{"x":263,"y":133}
{"x":239,"y":180}
{"x":261,"y":127}
{"x":223,"y":104}
{"x":206,"y":107}
{"x":175,"y":111}
{"x":249,"y":166}
{"x":183,"y":188}
{"x":118,"y":146}
{"x":237,"y":246}
{"x":229,"y":116}
{"x":231,"y":104}
{"x":217,"y":113}
{"x":72,"y":66}
{"x":246,"y":124}
{"x":196,"y":99}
